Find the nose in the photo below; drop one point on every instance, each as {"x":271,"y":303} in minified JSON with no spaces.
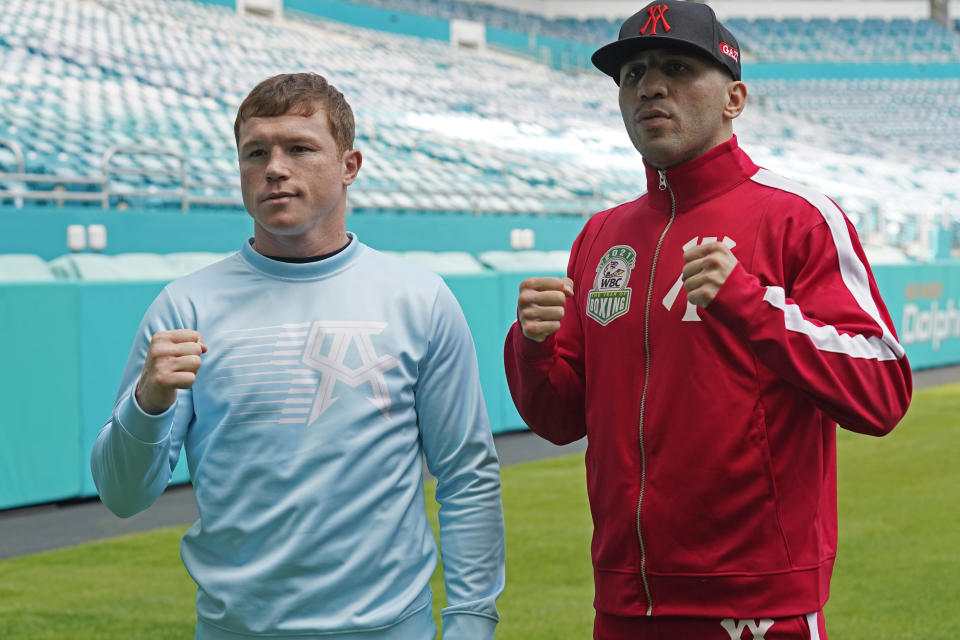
{"x":277,"y":168}
{"x":652,"y":85}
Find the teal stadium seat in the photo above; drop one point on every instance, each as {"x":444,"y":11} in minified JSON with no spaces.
{"x":432,"y":143}
{"x":20,"y":267}
{"x":186,"y":262}
{"x":444,"y":262}
{"x":93,"y":267}
{"x":526,"y":261}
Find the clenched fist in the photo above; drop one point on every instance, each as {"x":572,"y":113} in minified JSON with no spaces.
{"x":173,"y":360}
{"x":708,"y":267}
{"x":540,"y":305}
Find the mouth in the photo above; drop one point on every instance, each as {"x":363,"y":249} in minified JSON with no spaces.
{"x":278,"y":196}
{"x":651,"y":117}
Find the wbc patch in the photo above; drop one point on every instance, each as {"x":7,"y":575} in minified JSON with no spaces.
{"x":610,"y":297}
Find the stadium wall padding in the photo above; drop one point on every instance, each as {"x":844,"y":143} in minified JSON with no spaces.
{"x":65,"y":345}
{"x":924,"y":302}
{"x":42,"y":231}
{"x":377,"y":18}
{"x":847,"y":70}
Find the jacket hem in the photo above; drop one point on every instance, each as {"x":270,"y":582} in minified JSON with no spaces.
{"x":776,"y":595}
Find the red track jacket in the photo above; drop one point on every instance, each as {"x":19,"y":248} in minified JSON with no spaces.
{"x":711,"y":465}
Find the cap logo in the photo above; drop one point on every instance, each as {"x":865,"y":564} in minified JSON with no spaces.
{"x":729,"y":51}
{"x":655,"y":15}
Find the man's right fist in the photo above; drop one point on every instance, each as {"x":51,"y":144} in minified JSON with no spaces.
{"x":540,"y":305}
{"x":173,"y":360}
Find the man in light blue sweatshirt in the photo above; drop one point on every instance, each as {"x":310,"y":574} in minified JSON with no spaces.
{"x":305,"y":376}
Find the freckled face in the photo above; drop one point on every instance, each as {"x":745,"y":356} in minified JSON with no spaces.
{"x":293,"y":178}
{"x":673,"y":105}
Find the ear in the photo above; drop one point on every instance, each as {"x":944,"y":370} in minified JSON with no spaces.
{"x":736,"y":100}
{"x":352,"y":160}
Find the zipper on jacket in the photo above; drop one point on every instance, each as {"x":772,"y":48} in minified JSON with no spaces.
{"x":664,"y":186}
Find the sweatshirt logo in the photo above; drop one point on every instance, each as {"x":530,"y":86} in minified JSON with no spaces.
{"x":331,"y":365}
{"x":287,"y":374}
{"x":610,"y":297}
{"x":690,"y":315}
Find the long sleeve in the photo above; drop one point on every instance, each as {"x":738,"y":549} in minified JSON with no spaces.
{"x":827,"y":332}
{"x":459,"y":449}
{"x":134,"y":454}
{"x":546,"y":379}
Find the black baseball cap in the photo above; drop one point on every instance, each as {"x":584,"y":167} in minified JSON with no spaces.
{"x":671,"y":24}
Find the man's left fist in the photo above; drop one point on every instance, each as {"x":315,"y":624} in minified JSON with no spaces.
{"x":708,"y":267}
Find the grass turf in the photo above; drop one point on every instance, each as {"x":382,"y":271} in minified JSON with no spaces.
{"x":897,"y":574}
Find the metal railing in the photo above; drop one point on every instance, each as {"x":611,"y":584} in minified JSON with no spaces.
{"x":14,"y":185}
{"x":105,"y":189}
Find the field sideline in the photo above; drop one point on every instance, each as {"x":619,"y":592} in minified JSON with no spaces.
{"x":897,"y":575}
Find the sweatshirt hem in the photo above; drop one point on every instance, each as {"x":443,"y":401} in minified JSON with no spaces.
{"x":418,"y":625}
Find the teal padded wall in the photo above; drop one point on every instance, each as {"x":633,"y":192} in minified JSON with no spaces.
{"x":43,"y":231}
{"x":108,"y":314}
{"x":377,"y":18}
{"x":40,"y":454}
{"x":476,"y":293}
{"x":924,"y":302}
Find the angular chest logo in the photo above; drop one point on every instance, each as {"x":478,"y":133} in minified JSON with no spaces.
{"x":610,"y":297}
{"x":690,"y":315}
{"x":331,"y":365}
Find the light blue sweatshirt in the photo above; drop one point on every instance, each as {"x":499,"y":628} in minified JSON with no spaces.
{"x":322,"y":386}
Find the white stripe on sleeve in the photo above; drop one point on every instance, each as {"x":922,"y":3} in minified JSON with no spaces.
{"x":854,"y":275}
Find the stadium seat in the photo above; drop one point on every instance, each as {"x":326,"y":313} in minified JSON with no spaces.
{"x":444,"y":262}
{"x":185,"y":262}
{"x":17,"y":267}
{"x":92,"y":267}
{"x":526,"y":261}
{"x":78,"y":79}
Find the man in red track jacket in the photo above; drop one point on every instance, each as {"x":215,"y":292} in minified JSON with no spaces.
{"x":708,"y":338}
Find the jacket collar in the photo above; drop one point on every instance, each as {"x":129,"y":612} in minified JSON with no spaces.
{"x":715,"y":172}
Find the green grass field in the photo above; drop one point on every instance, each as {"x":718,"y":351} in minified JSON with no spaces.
{"x":897,"y":576}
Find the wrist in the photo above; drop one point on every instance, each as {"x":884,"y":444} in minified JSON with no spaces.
{"x":151,"y":406}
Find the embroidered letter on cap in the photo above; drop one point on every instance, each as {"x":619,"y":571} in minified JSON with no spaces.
{"x":729,"y":51}
{"x":656,"y":15}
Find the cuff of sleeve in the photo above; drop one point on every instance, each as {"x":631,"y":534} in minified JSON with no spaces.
{"x":147,"y":428}
{"x":736,"y":303}
{"x":531,"y":350}
{"x":468,"y":626}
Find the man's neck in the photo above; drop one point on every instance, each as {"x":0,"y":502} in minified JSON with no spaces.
{"x":301,"y":247}
{"x":316,"y":258}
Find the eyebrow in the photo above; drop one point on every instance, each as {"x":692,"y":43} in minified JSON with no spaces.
{"x":299,"y":139}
